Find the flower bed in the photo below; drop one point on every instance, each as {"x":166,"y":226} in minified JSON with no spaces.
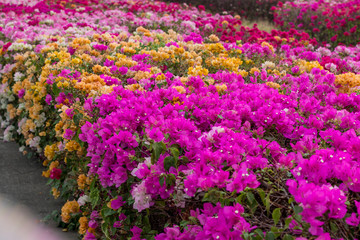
{"x":152,"y":133}
{"x":333,"y":22}
{"x":248,"y":9}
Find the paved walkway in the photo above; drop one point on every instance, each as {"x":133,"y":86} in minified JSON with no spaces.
{"x":21,"y":184}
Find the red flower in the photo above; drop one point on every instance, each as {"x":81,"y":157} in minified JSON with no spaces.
{"x":55,"y":173}
{"x":334,"y":38}
{"x":346,"y":34}
{"x":353,"y":29}
{"x":201,"y":7}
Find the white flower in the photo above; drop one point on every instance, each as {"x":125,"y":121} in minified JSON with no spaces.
{"x":8,"y":133}
{"x":18,"y":76}
{"x":83,"y":199}
{"x":210,"y":134}
{"x":268,"y":64}
{"x":35,"y":142}
{"x":22,"y":149}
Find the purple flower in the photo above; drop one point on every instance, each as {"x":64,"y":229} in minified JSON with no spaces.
{"x":21,"y":93}
{"x":48,"y":99}
{"x":69,"y":134}
{"x":117,"y":203}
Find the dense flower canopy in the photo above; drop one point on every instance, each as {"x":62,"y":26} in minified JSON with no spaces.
{"x":164,"y":121}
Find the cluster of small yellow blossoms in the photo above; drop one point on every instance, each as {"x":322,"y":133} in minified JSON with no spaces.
{"x":231,"y":64}
{"x":157,"y":56}
{"x":306,"y":66}
{"x":198,"y":71}
{"x":273,"y":85}
{"x":215,"y":47}
{"x":134,"y":87}
{"x":142,"y":75}
{"x":253,"y":70}
{"x":61,"y":56}
{"x":242,"y":72}
{"x":72,"y":146}
{"x":350,"y":82}
{"x":160,"y":78}
{"x":68,"y":208}
{"x":213,"y":38}
{"x":55,"y":193}
{"x":180,"y":89}
{"x":50,"y":150}
{"x":122,"y":60}
{"x":221,"y":88}
{"x":83,"y":181}
{"x":83,"y":225}
{"x":11,"y":111}
{"x":89,"y":83}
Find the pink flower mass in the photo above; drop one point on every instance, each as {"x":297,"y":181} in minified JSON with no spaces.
{"x":166,"y":121}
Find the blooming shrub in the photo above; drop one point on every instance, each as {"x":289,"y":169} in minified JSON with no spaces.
{"x":248,"y":9}
{"x":152,"y":133}
{"x":333,"y":22}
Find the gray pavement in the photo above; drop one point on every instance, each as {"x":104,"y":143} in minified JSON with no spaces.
{"x":21,"y":184}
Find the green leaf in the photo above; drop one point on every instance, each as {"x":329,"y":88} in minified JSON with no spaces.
{"x":55,"y":89}
{"x":105,"y":230}
{"x":175,"y":153}
{"x":270,"y":236}
{"x":252,"y":202}
{"x":221,"y":117}
{"x":105,"y":212}
{"x":94,"y":197}
{"x":287,"y":222}
{"x":276,"y":215}
{"x":298,"y":217}
{"x":239,"y":199}
{"x":262,"y":195}
{"x":169,"y":162}
{"x":77,"y":118}
{"x":213,"y":196}
{"x":146,"y":222}
{"x":162,"y":180}
{"x":267,"y":203}
{"x":259,"y":233}
{"x":333,"y":227}
{"x":157,"y":149}
{"x":298,"y":209}
{"x":288,"y":237}
{"x":184,"y":160}
{"x":170,"y":180}
{"x":250,"y":197}
{"x":184,"y":223}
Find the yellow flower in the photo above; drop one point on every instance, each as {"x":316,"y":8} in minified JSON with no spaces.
{"x":160,"y":77}
{"x":180,"y":89}
{"x":198,"y":71}
{"x":83,"y":225}
{"x":68,"y":208}
{"x":49,"y":151}
{"x":134,"y":87}
{"x":76,"y":61}
{"x":55,"y":193}
{"x":221,"y":88}
{"x":225,"y":23}
{"x":253,"y":70}
{"x":72,"y":146}
{"x":213,"y":38}
{"x":273,"y":85}
{"x":81,"y":181}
